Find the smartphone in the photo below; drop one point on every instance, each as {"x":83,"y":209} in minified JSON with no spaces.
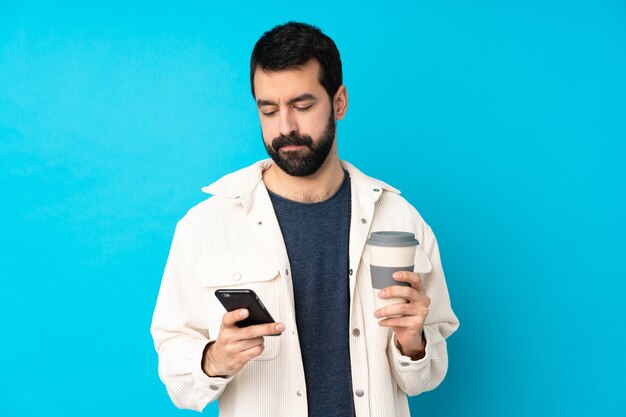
{"x":245,"y":298}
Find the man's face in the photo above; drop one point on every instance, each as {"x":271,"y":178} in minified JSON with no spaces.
{"x":297,"y":118}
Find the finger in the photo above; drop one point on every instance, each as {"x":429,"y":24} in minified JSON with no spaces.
{"x":415,"y":308}
{"x":411,"y":277}
{"x":253,"y":352}
{"x":410,"y":322}
{"x":258,"y":330}
{"x":235,"y":348}
{"x":399,"y":291}
{"x":398,"y":309}
{"x":230,"y":318}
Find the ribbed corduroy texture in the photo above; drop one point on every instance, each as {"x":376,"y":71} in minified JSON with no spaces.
{"x":233,"y":240}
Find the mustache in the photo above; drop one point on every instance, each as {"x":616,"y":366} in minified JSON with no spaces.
{"x":293,"y":139}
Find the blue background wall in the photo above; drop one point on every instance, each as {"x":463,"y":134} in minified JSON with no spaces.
{"x":504,"y":123}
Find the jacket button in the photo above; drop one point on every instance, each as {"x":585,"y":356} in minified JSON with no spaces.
{"x":286,"y":272}
{"x":376,"y":190}
{"x":298,"y":393}
{"x":350,"y":271}
{"x":363,"y":221}
{"x":236,"y":276}
{"x":214,"y":387}
{"x":356,"y":332}
{"x":359,"y":393}
{"x":404,"y":363}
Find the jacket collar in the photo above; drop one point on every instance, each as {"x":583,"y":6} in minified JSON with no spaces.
{"x":241,"y":183}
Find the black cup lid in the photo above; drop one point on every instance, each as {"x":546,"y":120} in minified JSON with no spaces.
{"x":392,"y":239}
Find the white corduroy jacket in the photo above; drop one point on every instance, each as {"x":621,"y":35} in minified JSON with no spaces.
{"x":233,"y":240}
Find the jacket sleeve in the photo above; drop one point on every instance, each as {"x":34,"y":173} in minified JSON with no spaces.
{"x":415,"y":377}
{"x":179,"y":328}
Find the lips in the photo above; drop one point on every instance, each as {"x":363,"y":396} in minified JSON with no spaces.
{"x":291,"y":142}
{"x":291,"y":148}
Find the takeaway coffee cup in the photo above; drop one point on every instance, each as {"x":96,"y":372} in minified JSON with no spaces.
{"x":390,"y":252}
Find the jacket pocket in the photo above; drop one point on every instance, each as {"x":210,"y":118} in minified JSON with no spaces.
{"x":224,"y":270}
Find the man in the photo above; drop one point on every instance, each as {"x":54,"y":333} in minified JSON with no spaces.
{"x":293,"y":229}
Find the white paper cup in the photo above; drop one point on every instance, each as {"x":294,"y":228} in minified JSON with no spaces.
{"x":390,"y":252}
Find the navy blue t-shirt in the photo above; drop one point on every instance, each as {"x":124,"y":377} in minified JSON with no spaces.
{"x":317,"y":238}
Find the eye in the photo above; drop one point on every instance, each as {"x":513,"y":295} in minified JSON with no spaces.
{"x":303,"y":108}
{"x":269,"y":113}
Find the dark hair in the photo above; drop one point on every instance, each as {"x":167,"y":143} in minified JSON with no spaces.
{"x":292,"y":45}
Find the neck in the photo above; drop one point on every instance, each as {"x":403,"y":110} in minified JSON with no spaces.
{"x":314,"y":188}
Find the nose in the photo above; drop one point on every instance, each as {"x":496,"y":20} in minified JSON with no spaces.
{"x":287,"y":124}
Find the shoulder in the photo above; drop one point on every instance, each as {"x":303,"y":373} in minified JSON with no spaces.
{"x":214,"y":209}
{"x":390,"y":198}
{"x":394,"y":211}
{"x":200,"y":211}
{"x":396,"y":205}
{"x":226,"y":194}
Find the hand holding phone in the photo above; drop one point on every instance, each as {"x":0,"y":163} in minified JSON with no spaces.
{"x":235,"y":345}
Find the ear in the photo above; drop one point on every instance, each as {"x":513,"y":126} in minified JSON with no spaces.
{"x":340,"y":102}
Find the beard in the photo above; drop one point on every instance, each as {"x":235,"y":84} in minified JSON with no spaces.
{"x":306,"y":161}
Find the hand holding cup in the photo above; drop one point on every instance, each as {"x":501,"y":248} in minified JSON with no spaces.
{"x":399,"y":295}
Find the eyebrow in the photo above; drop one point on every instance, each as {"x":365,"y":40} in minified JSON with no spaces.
{"x":301,"y":97}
